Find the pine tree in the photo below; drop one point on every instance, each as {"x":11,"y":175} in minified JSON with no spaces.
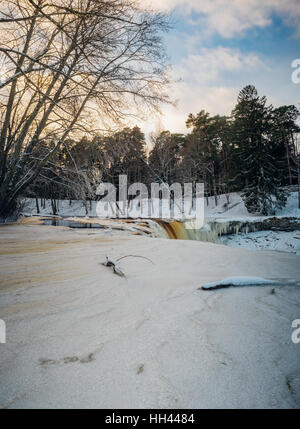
{"x":259,"y":169}
{"x":203,"y":148}
{"x":284,"y":127}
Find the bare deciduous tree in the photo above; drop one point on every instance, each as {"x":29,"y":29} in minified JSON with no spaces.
{"x":67,"y":64}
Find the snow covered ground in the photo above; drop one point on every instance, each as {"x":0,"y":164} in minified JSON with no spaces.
{"x":234,"y":210}
{"x":78,"y":335}
{"x":271,"y":240}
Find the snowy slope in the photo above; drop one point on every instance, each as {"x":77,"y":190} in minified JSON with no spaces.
{"x":271,"y":240}
{"x":291,"y":208}
{"x":235,"y":210}
{"x":76,"y":208}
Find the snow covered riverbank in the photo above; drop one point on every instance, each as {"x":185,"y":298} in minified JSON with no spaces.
{"x":217,"y":223}
{"x":235,"y":210}
{"x":271,"y":240}
{"x":80,"y":336}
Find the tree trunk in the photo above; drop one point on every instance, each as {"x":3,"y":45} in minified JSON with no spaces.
{"x":288,"y":160}
{"x":7,"y":206}
{"x":37,"y":205}
{"x":54,"y":207}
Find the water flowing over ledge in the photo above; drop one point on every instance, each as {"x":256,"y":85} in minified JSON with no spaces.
{"x":213,"y":229}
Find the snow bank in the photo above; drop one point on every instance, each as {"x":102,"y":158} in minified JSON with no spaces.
{"x":261,"y":240}
{"x":291,"y":209}
{"x":238,"y":281}
{"x":235,"y":209}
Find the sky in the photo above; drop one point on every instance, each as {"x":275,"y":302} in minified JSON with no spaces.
{"x":216,"y":47}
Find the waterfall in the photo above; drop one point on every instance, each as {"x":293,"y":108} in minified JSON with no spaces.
{"x":210,"y":231}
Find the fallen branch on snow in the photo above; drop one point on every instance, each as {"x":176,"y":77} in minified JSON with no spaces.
{"x":116,"y":267}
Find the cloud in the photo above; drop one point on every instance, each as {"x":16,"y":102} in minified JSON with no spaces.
{"x":212,"y":77}
{"x":211,"y":64}
{"x":210,"y":80}
{"x":191,"y":99}
{"x":230,"y":18}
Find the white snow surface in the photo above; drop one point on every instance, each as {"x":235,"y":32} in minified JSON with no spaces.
{"x":235,"y":210}
{"x":291,"y":208}
{"x":80,"y":336}
{"x":271,"y":240}
{"x":239,"y":281}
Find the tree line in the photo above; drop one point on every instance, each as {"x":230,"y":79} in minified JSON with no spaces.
{"x":254,"y":151}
